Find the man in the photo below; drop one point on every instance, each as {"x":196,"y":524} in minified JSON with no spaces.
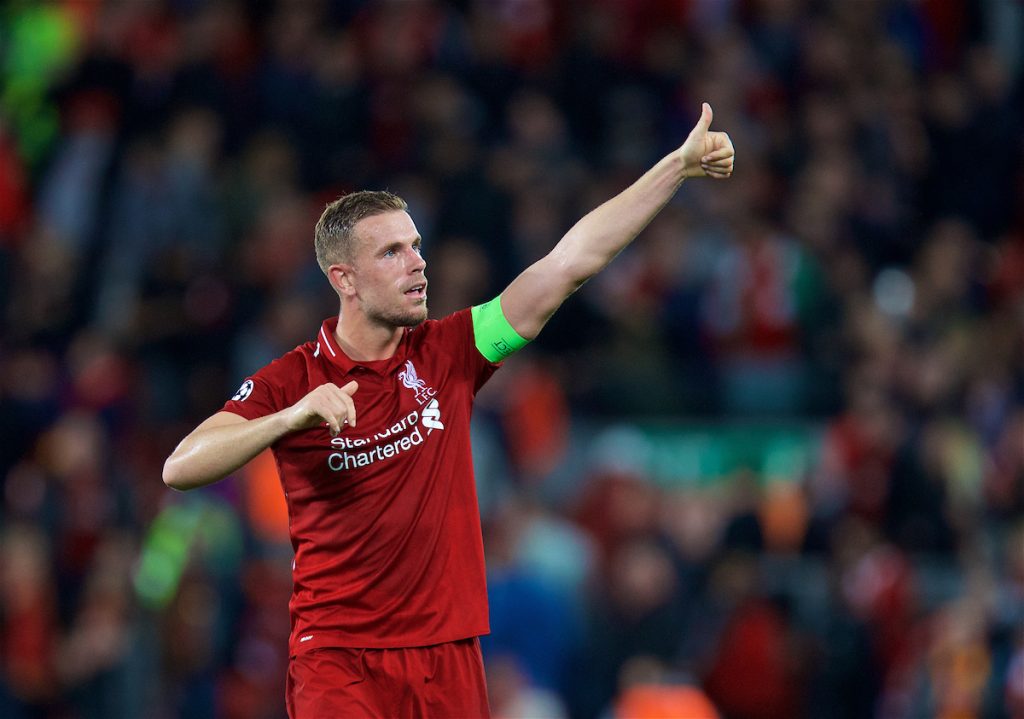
{"x":369,"y":424}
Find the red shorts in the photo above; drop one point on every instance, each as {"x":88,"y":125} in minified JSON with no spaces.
{"x":443,"y":680}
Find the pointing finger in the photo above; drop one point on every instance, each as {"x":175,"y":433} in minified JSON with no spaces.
{"x":333,"y":426}
{"x":350,"y":410}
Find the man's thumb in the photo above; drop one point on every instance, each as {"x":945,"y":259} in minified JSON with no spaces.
{"x":705,"y":118}
{"x":350,"y":388}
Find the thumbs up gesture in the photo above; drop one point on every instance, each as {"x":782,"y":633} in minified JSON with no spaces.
{"x":706,"y":153}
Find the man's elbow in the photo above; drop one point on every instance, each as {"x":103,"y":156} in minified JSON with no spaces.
{"x":173,"y":476}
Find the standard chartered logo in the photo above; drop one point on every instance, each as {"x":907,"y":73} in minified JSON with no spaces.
{"x":400,"y":437}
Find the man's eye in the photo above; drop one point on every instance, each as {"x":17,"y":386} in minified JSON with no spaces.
{"x":389,"y":253}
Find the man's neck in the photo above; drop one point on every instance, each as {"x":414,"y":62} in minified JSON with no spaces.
{"x":365,"y":341}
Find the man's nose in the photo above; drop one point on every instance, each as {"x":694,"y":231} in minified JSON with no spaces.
{"x":417,"y":263}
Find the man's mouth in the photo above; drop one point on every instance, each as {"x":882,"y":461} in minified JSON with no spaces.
{"x":418,"y":291}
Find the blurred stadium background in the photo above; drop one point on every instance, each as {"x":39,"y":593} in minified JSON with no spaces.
{"x":772,"y":458}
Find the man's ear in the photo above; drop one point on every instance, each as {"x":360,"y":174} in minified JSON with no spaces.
{"x":340,"y":277}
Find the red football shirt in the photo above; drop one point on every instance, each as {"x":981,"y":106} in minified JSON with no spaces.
{"x":383,"y":518}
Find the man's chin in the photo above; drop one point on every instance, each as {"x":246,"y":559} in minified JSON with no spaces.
{"x":409,"y":318}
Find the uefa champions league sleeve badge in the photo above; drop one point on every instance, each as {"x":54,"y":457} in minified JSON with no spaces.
{"x":243,"y":392}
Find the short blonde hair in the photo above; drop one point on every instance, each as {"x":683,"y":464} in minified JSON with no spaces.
{"x":333,"y":236}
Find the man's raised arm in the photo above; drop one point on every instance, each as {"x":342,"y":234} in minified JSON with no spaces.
{"x":594,"y":241}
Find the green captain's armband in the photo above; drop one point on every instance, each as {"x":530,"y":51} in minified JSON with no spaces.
{"x":495,"y":337}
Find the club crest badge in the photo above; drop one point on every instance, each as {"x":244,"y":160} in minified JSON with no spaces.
{"x":411,"y":380}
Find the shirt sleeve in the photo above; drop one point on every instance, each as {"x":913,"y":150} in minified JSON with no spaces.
{"x":260,"y":394}
{"x":459,"y":337}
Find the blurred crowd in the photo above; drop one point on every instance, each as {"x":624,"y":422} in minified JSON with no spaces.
{"x":163,"y":162}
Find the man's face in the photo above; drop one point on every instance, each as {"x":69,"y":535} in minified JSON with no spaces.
{"x":387,"y":270}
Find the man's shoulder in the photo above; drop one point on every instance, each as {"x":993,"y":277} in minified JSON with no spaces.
{"x":443,"y":339}
{"x":447,"y":327}
{"x":450,"y":343}
{"x":292,"y":366}
{"x":274,"y":386}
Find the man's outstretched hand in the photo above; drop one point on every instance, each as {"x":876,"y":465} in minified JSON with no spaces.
{"x":706,"y":153}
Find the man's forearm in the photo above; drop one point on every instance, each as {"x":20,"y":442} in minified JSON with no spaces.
{"x":586,"y":249}
{"x":215,"y":449}
{"x":604,"y":232}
